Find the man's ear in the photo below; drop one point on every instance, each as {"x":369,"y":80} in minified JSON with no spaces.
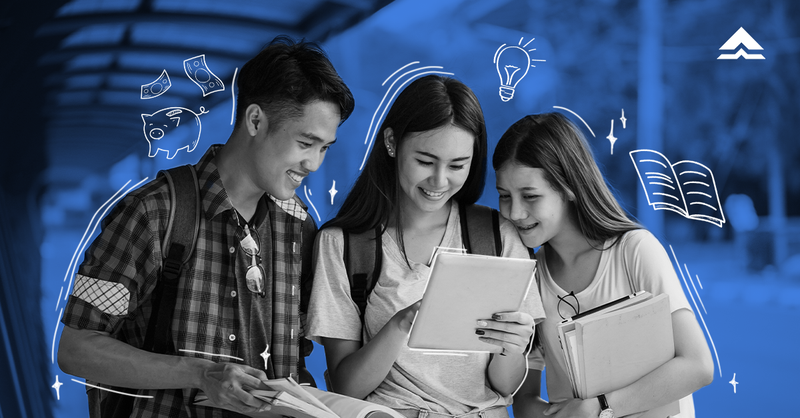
{"x":255,"y":119}
{"x":389,"y":141}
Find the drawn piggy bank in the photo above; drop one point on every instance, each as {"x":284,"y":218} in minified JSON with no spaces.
{"x":172,"y":129}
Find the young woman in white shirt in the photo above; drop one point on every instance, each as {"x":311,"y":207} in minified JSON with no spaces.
{"x":430,"y":155}
{"x":589,"y":253}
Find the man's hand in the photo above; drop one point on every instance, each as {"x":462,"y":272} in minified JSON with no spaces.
{"x":228,"y":384}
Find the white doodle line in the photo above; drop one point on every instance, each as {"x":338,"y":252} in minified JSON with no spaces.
{"x":695,"y":289}
{"x":233,"y":94}
{"x":373,"y":126}
{"x":308,"y":198}
{"x":55,"y":331}
{"x":112,"y":390}
{"x":184,"y":350}
{"x":579,"y":117}
{"x":708,"y":333}
{"x":397,"y":71}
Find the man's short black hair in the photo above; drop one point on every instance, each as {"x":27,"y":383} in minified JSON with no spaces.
{"x":285,"y":76}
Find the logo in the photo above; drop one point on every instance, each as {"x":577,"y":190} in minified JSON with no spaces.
{"x":739,"y":39}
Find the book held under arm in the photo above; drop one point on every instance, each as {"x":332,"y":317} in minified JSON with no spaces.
{"x":617,"y":344}
{"x":288,"y":399}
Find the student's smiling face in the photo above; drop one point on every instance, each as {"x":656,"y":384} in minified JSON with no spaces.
{"x":432,"y":167}
{"x":537,"y":210}
{"x":285,"y":155}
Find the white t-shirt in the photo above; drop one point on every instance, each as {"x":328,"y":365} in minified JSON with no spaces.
{"x":637,"y":256}
{"x":444,"y":384}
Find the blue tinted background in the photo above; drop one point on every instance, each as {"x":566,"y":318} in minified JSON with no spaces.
{"x":67,"y":153}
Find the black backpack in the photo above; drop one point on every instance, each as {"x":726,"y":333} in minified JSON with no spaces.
{"x":363,"y":253}
{"x":178,"y":246}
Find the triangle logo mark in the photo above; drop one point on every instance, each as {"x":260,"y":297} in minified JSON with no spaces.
{"x":739,"y":39}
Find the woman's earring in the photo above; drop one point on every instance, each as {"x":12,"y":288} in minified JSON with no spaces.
{"x":391,"y":152}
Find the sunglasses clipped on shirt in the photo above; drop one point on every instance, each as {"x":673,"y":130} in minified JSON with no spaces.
{"x":254,"y":276}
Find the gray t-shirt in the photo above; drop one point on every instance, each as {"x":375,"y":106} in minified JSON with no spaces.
{"x":444,"y":384}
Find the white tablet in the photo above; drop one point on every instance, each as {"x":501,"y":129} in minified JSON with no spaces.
{"x":461,"y":289}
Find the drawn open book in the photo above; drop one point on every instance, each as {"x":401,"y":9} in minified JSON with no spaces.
{"x":686,"y":187}
{"x":288,"y":399}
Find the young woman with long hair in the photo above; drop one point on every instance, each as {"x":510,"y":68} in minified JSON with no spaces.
{"x":590,"y":253}
{"x":429,"y":158}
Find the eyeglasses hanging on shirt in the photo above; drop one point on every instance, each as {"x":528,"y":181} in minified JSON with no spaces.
{"x":254,"y":275}
{"x":568,"y":305}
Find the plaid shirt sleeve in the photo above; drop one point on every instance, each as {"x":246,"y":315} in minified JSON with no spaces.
{"x":120,"y":267}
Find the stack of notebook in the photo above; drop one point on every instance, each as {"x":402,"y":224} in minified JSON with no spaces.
{"x":614,"y":345}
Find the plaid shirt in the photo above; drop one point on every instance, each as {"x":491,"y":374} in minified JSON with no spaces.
{"x":211,"y":318}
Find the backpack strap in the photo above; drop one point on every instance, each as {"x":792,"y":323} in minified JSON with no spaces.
{"x":480,"y":230}
{"x":177,"y":249}
{"x":363,"y":257}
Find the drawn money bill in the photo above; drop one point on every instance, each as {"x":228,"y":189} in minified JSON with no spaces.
{"x":157,"y":87}
{"x":172,"y":129}
{"x":197,"y":70}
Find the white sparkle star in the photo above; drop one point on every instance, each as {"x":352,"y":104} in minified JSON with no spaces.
{"x":623,"y":119}
{"x":57,"y":386}
{"x":611,"y":138}
{"x":333,"y":191}
{"x":265,"y":356}
{"x":734,"y":382}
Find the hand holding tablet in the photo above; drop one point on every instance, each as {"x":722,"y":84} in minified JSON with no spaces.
{"x":463,"y":289}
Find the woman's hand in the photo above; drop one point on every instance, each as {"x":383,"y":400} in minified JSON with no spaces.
{"x":510,"y":331}
{"x":403,"y":319}
{"x":356,"y":370}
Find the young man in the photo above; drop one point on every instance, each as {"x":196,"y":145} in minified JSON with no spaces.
{"x":236,"y":320}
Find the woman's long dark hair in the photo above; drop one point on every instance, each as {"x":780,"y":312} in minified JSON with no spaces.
{"x":427,"y":103}
{"x":551,"y":142}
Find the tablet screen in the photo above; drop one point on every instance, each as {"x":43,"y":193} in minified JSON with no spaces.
{"x":461,"y":289}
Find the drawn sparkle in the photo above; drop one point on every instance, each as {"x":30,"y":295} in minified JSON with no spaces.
{"x":734,"y":382}
{"x":623,"y":119}
{"x":265,"y":356}
{"x":611,"y":138}
{"x":57,"y":386}
{"x":333,"y":191}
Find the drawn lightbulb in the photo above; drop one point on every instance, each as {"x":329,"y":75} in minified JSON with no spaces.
{"x":512,"y":66}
